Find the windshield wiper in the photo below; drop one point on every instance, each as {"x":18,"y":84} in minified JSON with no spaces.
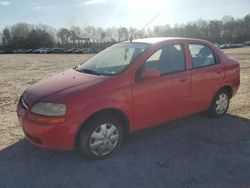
{"x":89,"y":71}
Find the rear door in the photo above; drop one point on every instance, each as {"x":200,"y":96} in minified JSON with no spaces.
{"x":207,"y":76}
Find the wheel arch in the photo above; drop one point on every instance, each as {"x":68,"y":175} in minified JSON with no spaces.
{"x":122,"y":117}
{"x":211,"y":109}
{"x":227,"y":88}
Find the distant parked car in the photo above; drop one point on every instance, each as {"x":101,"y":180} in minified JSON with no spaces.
{"x":41,"y":51}
{"x":230,"y":45}
{"x":239,"y":45}
{"x":247,"y":43}
{"x":37,"y":51}
{"x":95,"y":50}
{"x":73,"y":50}
{"x":7,"y":51}
{"x":223,"y":46}
{"x":83,"y":50}
{"x":29,"y":51}
{"x":86,"y":50}
{"x":45,"y":50}
{"x":19,"y":51}
{"x":79,"y":51}
{"x":57,"y":51}
{"x":127,"y":87}
{"x":69,"y":51}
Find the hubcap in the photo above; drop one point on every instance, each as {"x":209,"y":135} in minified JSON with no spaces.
{"x":221,"y":103}
{"x":104,"y":139}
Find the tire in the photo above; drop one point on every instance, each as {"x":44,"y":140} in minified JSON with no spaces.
{"x":100,"y":137}
{"x":219,"y":104}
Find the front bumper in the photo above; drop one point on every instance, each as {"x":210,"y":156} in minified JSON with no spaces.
{"x":57,"y":136}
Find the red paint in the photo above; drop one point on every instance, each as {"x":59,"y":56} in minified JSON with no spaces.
{"x":147,"y":102}
{"x":150,"y":73}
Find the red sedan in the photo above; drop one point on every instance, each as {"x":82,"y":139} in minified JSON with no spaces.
{"x":127,"y":87}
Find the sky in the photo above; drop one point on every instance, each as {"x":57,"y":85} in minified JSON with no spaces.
{"x":108,"y":13}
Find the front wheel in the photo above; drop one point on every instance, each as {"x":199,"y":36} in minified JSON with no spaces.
{"x":220,"y":104}
{"x":100,"y":137}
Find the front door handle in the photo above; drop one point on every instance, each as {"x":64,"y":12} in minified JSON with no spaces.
{"x":183,"y":79}
{"x":219,"y":71}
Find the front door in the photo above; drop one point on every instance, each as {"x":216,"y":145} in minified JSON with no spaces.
{"x":160,"y":99}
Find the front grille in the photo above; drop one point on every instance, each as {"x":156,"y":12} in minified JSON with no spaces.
{"x":24,"y":104}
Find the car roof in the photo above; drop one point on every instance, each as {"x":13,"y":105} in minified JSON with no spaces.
{"x":163,"y":39}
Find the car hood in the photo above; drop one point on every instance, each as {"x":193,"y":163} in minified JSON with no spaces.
{"x":58,"y":83}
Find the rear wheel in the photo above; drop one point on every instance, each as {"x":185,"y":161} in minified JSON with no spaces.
{"x":220,"y":104}
{"x":100,"y":137}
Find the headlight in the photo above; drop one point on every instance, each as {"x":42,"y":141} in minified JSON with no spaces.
{"x":49,"y":109}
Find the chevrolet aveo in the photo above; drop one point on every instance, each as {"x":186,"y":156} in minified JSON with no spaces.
{"x":127,"y":87}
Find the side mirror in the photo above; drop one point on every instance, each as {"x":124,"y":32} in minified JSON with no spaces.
{"x":149,"y":73}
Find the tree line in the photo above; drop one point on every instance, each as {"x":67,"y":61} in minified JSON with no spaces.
{"x":26,"y":36}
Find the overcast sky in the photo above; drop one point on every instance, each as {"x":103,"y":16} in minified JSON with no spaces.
{"x":106,"y":13}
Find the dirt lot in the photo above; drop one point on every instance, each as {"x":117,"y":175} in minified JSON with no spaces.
{"x":192,"y":152}
{"x":17,"y":72}
{"x":240,"y":104}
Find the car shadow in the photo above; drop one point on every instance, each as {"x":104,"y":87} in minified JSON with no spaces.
{"x":196,"y":151}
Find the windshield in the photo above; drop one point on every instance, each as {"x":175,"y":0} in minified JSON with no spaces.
{"x":113,"y":60}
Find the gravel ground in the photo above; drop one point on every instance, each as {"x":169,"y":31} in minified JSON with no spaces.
{"x":196,"y":151}
{"x":17,"y":72}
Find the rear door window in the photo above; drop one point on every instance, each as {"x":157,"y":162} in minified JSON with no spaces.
{"x":202,"y":55}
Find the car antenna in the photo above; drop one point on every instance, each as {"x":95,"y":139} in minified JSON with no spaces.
{"x":150,"y":21}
